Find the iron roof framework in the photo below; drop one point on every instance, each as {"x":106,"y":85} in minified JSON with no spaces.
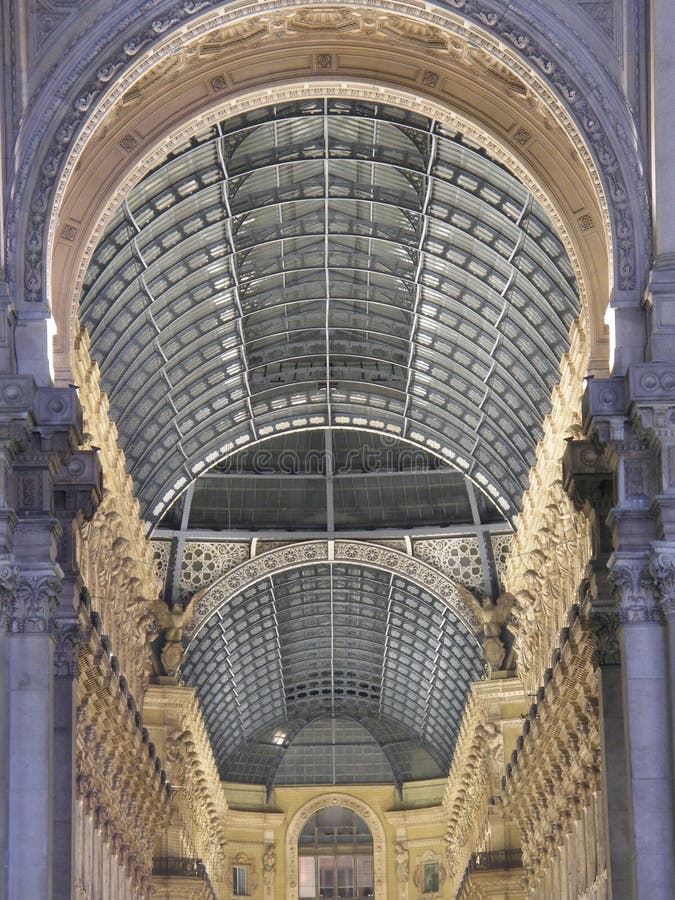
{"x":336,"y":482}
{"x":332,"y":640}
{"x":326,"y":266}
{"x":329,"y":263}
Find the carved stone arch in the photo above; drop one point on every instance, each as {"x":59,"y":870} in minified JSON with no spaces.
{"x":560,"y":78}
{"x":336,"y":798}
{"x":80,"y":246}
{"x":209,"y":600}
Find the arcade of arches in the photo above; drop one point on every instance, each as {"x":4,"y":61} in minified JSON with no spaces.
{"x":337,"y":444}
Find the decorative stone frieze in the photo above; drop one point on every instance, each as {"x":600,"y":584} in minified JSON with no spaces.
{"x":199,"y":811}
{"x":116,"y":559}
{"x":552,"y":544}
{"x":120,"y":781}
{"x":459,"y":558}
{"x":553,"y":781}
{"x":203,"y":562}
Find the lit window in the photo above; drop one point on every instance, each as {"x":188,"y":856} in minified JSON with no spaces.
{"x":279,"y":737}
{"x":240,"y":881}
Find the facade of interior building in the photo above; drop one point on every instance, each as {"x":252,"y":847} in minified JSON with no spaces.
{"x":337,"y":405}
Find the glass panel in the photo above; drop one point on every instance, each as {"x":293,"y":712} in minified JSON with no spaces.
{"x":307,"y":876}
{"x":327,"y":876}
{"x":365,"y":876}
{"x":240,"y":880}
{"x":345,"y":876}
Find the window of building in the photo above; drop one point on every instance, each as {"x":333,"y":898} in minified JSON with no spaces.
{"x":240,"y":881}
{"x":431,"y":879}
{"x":335,"y":857}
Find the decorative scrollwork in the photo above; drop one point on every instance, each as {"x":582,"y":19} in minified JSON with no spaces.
{"x":294,"y":555}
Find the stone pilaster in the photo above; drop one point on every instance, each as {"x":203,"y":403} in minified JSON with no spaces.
{"x":78,"y":490}
{"x":39,"y":427}
{"x":590,"y":482}
{"x":662,"y":567}
{"x":645,"y":688}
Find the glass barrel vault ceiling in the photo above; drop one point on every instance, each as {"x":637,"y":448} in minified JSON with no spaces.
{"x":332,"y":641}
{"x":329,"y":263}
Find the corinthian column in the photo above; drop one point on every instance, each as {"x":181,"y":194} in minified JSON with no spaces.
{"x":645,"y":686}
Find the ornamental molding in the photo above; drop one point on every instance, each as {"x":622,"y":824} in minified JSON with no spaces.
{"x":361,"y":809}
{"x":115,"y":558}
{"x":206,"y":603}
{"x":501,"y":33}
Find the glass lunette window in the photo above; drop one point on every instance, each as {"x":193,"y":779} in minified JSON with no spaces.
{"x":335,"y":856}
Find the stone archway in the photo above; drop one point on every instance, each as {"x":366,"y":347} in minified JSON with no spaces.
{"x":336,"y":798}
{"x":106,"y":121}
{"x":494,"y":32}
{"x":291,"y":556}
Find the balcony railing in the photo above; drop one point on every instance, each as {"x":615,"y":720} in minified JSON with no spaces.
{"x":489,"y":861}
{"x":496,"y":859}
{"x":182,"y":867}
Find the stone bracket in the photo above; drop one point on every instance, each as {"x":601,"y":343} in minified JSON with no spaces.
{"x":78,"y":486}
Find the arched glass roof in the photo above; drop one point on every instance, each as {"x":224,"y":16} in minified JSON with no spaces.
{"x":326,"y":264}
{"x":333,"y":482}
{"x":333,"y":640}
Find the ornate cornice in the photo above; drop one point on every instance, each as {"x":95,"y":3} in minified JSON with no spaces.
{"x":115,"y":557}
{"x":120,"y":780}
{"x":555,"y":771}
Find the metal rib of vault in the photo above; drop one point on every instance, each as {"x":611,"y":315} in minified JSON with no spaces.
{"x":332,"y":640}
{"x":329,"y":262}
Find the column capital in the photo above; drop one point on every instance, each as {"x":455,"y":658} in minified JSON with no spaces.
{"x":28,"y":599}
{"x":634,"y":589}
{"x":662,"y":568}
{"x":604,"y":625}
